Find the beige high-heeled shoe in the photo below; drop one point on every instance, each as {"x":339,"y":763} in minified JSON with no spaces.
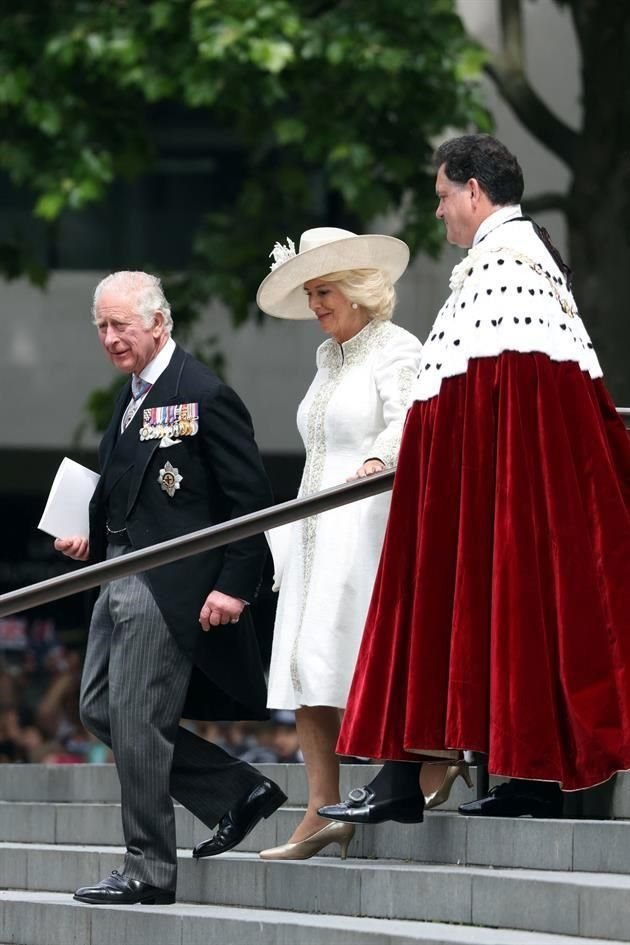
{"x":443,"y":792}
{"x":310,"y":846}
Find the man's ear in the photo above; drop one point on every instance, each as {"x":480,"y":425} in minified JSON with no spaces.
{"x":475,"y":191}
{"x":158,"y":321}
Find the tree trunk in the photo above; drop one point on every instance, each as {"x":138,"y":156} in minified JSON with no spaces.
{"x":598,"y":207}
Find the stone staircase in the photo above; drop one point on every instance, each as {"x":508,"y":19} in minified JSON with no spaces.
{"x":450,"y":881}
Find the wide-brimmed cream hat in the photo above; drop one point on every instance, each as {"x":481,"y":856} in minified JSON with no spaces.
{"x":323,"y":250}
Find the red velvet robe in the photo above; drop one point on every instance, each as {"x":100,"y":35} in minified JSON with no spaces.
{"x":500,"y":617}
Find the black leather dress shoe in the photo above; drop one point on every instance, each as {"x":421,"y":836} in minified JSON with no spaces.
{"x":241,"y":819}
{"x":118,"y":889}
{"x":509,"y":800}
{"x":363,"y":807}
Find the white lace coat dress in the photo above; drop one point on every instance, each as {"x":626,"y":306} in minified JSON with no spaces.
{"x":325,"y":565}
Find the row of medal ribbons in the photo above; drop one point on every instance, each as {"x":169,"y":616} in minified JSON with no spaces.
{"x":174,"y":420}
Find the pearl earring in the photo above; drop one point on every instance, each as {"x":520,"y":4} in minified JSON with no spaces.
{"x":354,"y":305}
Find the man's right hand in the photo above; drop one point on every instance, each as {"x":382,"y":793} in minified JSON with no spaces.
{"x":77,"y":548}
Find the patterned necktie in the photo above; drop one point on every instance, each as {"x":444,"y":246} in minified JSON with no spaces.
{"x":139,"y":387}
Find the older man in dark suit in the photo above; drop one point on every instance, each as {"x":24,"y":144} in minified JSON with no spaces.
{"x":179,"y":455}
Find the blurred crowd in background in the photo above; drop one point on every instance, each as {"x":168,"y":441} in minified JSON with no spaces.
{"x":39,"y":698}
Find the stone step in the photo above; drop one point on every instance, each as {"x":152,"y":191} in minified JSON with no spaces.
{"x":55,"y":919}
{"x":446,"y":838}
{"x":94,"y":783}
{"x":100,"y":783}
{"x":556,"y":902}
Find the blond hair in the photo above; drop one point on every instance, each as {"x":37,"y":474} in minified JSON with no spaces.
{"x":370,"y":288}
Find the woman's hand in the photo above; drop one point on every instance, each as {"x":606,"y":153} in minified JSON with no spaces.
{"x":369,"y":467}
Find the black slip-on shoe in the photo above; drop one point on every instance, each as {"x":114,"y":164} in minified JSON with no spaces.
{"x":241,"y":819}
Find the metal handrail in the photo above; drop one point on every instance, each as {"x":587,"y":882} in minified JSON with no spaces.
{"x":186,"y":545}
{"x":205,"y":539}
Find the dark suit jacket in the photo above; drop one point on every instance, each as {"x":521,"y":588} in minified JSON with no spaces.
{"x":222,"y":478}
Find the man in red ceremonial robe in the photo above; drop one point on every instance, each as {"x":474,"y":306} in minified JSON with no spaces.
{"x":500,"y":618}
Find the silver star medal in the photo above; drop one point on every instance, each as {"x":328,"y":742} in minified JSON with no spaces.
{"x":169,"y":479}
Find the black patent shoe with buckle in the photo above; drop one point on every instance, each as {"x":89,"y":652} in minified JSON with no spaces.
{"x":364,"y":807}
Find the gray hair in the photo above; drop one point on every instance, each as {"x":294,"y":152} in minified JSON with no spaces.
{"x":370,"y":288}
{"x":143,"y":289}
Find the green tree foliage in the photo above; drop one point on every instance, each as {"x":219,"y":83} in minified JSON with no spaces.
{"x":332,"y":105}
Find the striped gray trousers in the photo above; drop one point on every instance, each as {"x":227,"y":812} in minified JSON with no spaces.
{"x":133,"y":690}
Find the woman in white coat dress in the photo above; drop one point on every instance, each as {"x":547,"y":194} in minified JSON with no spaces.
{"x":351,"y":422}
